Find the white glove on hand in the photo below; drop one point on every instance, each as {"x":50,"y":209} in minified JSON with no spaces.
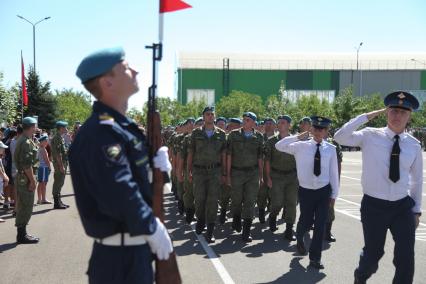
{"x":161,"y":160}
{"x":160,"y":242}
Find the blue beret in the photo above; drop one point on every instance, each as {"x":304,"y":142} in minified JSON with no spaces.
{"x":61,"y":123}
{"x":29,"y":120}
{"x":99,"y":62}
{"x":221,"y":118}
{"x":43,"y":138}
{"x":320,"y":121}
{"x":235,"y":120}
{"x":200,"y":119}
{"x":305,"y":119}
{"x":251,"y":115}
{"x":208,"y":108}
{"x":269,"y":119}
{"x":401,"y":99}
{"x":285,"y":117}
{"x":190,"y":119}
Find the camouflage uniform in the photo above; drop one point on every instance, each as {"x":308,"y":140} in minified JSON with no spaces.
{"x":206,"y":172}
{"x":58,"y":149}
{"x":224,"y":196}
{"x":264,"y":192}
{"x":177,"y":147}
{"x":245,"y":154}
{"x":284,"y":185}
{"x":188,"y":188}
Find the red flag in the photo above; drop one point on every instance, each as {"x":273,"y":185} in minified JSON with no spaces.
{"x":172,"y":5}
{"x":24,"y":85}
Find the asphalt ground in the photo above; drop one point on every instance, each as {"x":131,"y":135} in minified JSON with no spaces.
{"x":63,"y":252}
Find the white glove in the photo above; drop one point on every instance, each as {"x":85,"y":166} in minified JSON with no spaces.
{"x":161,"y":160}
{"x":160,"y":242}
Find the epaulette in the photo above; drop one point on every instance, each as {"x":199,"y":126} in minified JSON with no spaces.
{"x":106,"y":119}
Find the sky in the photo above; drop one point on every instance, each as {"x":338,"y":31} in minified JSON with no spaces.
{"x":79,"y":27}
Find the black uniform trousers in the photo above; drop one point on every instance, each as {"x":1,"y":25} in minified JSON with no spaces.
{"x":377,"y":216}
{"x":120,"y":264}
{"x":314,"y":206}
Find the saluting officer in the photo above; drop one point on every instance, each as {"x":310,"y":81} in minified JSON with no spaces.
{"x":264,"y":195}
{"x":206,"y":160}
{"x":392,"y":180}
{"x":109,"y":170}
{"x":59,"y":160}
{"x":316,"y":163}
{"x":25,"y":159}
{"x":244,"y":172}
{"x":281,"y":178}
{"x":225,"y":194}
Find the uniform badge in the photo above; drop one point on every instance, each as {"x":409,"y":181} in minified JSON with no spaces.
{"x":113,"y":152}
{"x":401,"y":96}
{"x":401,"y":102}
{"x":106,"y":119}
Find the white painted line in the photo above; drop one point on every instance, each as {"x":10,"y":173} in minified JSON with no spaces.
{"x":350,"y":177}
{"x":223,"y":273}
{"x":351,"y":195}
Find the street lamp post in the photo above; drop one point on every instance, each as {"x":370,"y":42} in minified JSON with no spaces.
{"x":34,"y":25}
{"x":418,"y":61}
{"x":357,"y":68}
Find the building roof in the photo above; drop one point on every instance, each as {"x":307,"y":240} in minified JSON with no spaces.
{"x":303,"y":61}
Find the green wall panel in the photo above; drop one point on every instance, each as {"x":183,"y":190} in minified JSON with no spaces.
{"x":199,"y":79}
{"x":321,"y":80}
{"x":423,"y":80}
{"x":299,"y":80}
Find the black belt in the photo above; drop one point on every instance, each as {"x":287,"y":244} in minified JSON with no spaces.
{"x":208,"y":167}
{"x":244,"y":168}
{"x":284,"y":172}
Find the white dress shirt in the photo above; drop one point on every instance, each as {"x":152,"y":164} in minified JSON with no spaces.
{"x":304,"y":153}
{"x":376,"y":144}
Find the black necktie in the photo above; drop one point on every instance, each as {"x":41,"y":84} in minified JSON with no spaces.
{"x":394,"y":161}
{"x":317,"y":161}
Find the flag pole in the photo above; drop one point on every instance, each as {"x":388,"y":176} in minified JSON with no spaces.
{"x":22,"y":91}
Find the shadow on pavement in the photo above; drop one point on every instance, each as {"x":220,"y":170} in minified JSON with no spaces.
{"x":9,"y":246}
{"x":299,"y":274}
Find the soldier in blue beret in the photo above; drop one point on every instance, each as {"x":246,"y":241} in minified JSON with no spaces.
{"x":59,"y":160}
{"x":221,"y":122}
{"x":392,"y":183}
{"x":111,"y":183}
{"x":25,"y":158}
{"x":305,"y":124}
{"x":199,"y":122}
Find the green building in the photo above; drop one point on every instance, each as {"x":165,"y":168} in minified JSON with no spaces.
{"x":210,"y":76}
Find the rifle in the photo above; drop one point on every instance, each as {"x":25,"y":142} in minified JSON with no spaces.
{"x":166,"y":271}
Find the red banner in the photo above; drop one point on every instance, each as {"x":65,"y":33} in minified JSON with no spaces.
{"x":172,"y":5}
{"x":24,"y":85}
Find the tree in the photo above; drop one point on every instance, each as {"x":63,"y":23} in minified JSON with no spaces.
{"x":136,"y":115}
{"x":72,"y":105}
{"x":239,"y":102}
{"x":41,"y":102}
{"x":8,"y":103}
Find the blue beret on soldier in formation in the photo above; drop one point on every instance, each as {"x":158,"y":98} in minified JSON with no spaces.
{"x":29,"y":120}
{"x":208,"y":108}
{"x":285,"y":117}
{"x":61,"y":123}
{"x":99,"y":63}
{"x":251,"y":115}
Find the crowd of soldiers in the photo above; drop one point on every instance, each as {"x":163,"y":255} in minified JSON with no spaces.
{"x":232,"y":164}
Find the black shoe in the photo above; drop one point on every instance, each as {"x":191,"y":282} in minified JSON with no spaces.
{"x":272,"y":223}
{"x":328,"y":236}
{"x":288,"y":233}
{"x":23,"y":238}
{"x":246,"y":230}
{"x":209,"y":235}
{"x":199,"y":227}
{"x":181,"y":208}
{"x":57,"y":204}
{"x":316,"y":264}
{"x":6,"y":206}
{"x":300,"y":246}
{"x":222,"y":217}
{"x":63,"y":204}
{"x":261,"y":215}
{"x":236,"y":223}
{"x":189,"y":217}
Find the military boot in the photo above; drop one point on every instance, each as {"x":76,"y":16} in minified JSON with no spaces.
{"x":246,"y":230}
{"x":273,"y":223}
{"x":236,"y":223}
{"x":23,"y":238}
{"x":328,"y":236}
{"x":209,"y":235}
{"x":222,"y":217}
{"x":283,"y":215}
{"x":262,"y":215}
{"x":189,"y":217}
{"x":288,"y":233}
{"x":199,"y":227}
{"x":63,"y":204}
{"x":181,"y":208}
{"x":57,"y":203}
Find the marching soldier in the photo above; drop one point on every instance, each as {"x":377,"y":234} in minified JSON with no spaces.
{"x":269,"y":125}
{"x":25,"y":158}
{"x":316,"y":163}
{"x":59,"y":153}
{"x":244,"y":172}
{"x":225,"y":194}
{"x":206,"y":160}
{"x":392,"y":182}
{"x":281,"y":178}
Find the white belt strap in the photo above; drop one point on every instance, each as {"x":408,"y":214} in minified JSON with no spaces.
{"x":122,"y":239}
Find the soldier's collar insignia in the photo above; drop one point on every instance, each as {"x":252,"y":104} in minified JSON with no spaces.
{"x":106,"y":119}
{"x":401,"y":96}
